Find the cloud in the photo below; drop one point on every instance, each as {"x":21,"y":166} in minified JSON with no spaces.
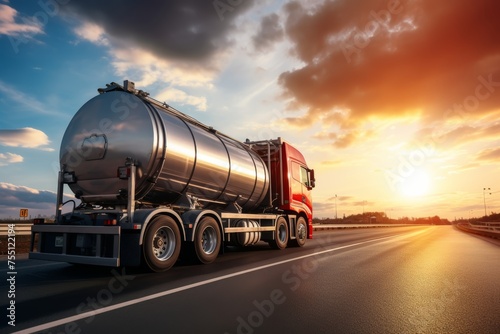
{"x":363,"y":203}
{"x":269,"y":33}
{"x":331,"y":163}
{"x":178,"y":96}
{"x":489,"y":155}
{"x":9,"y":158}
{"x":339,"y":140}
{"x":26,"y":137}
{"x":186,"y":30}
{"x":15,"y":197}
{"x":26,"y":100}
{"x":131,"y":62}
{"x":340,"y":198}
{"x":38,"y":202}
{"x":392,"y":59}
{"x":479,"y":130}
{"x":181,"y":43}
{"x":92,"y":33}
{"x":9,"y":26}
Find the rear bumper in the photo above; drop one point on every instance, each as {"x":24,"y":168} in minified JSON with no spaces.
{"x":94,"y":245}
{"x":98,"y":261}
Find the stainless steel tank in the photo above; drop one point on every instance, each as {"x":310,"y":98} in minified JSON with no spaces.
{"x":176,"y":156}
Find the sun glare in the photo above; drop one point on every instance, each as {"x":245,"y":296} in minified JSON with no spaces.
{"x":417,"y":184}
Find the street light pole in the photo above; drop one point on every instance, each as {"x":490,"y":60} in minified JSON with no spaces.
{"x":484,"y":199}
{"x":335,"y":206}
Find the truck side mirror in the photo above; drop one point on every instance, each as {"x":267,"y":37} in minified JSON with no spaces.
{"x":312,"y":180}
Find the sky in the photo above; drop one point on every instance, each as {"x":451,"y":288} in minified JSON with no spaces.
{"x":395,"y":104}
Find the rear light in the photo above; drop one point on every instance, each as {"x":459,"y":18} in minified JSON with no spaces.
{"x":69,"y":177}
{"x":38,"y":221}
{"x":123,"y":172}
{"x":110,"y":222}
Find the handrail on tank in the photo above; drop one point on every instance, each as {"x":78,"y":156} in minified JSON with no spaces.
{"x":130,"y":163}
{"x":59,"y":200}
{"x":63,"y":177}
{"x":268,"y":142}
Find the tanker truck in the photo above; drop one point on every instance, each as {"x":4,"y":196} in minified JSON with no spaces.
{"x":152,"y":184}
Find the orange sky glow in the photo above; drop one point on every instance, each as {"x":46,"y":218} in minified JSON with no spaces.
{"x":407,"y":96}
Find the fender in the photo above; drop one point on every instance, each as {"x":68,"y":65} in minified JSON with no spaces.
{"x":304,"y":214}
{"x":144,"y":216}
{"x":191,"y":218}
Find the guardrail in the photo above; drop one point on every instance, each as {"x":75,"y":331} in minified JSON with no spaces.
{"x":488,"y":229}
{"x":317,"y":227}
{"x":20,"y":229}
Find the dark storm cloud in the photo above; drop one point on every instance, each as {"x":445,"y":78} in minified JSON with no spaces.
{"x":387,"y":59}
{"x":181,"y":29}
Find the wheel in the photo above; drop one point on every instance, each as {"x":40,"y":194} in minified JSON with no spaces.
{"x":300,"y":233}
{"x":162,"y":244}
{"x":280,"y":234}
{"x":207,"y":240}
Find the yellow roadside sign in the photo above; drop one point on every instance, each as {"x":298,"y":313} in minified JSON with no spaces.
{"x":23,"y":213}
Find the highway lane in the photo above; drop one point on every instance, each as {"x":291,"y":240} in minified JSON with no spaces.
{"x":428,"y":279}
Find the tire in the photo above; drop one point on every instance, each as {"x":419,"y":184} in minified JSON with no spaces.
{"x":207,"y":240}
{"x":300,"y":233}
{"x":162,"y":244}
{"x":280,"y":234}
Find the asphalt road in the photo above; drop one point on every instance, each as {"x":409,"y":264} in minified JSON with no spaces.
{"x":425,"y":279}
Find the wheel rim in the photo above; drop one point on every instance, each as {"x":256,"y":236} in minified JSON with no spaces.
{"x":282,"y":233}
{"x":301,"y":232}
{"x":209,"y":240}
{"x":163,"y":243}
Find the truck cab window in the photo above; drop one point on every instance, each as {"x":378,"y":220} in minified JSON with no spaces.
{"x":304,"y":177}
{"x":299,"y":173}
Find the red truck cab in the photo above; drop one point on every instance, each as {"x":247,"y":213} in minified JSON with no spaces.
{"x":292,"y":181}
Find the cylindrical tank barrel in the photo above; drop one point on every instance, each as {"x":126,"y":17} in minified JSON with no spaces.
{"x":175,"y":157}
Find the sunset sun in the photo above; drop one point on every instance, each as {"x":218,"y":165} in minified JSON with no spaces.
{"x":416,"y":185}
